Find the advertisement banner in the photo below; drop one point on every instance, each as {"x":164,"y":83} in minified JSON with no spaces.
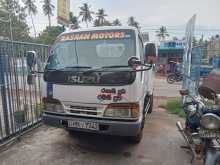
{"x":187,"y":58}
{"x":63,"y":11}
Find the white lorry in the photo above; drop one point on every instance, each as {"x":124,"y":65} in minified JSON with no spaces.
{"x":99,"y":80}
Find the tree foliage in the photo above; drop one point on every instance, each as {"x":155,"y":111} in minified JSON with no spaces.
{"x":31,"y":10}
{"x":86,"y":13}
{"x":133,"y":22}
{"x":101,"y":17}
{"x":48,"y":36}
{"x":162,"y":33}
{"x":48,"y":9}
{"x":116,"y":22}
{"x":74,"y":21}
{"x":20,"y":30}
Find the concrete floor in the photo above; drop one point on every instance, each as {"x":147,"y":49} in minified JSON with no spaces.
{"x":53,"y":146}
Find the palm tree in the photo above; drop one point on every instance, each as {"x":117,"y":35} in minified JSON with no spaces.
{"x":96,"y":23}
{"x":48,"y":8}
{"x":116,"y":22}
{"x":32,"y":10}
{"x":86,"y":13}
{"x":105,"y":23}
{"x":74,"y":20}
{"x":162,"y":33}
{"x":101,"y":16}
{"x":133,"y":22}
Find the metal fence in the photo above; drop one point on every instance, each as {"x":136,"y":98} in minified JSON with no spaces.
{"x":20,"y":103}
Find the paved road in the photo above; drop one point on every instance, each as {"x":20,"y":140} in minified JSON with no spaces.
{"x":162,"y":88}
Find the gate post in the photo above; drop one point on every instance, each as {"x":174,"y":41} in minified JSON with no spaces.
{"x":3,"y":93}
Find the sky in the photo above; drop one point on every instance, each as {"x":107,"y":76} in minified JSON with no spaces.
{"x":151,"y":14}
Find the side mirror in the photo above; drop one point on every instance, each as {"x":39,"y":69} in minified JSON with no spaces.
{"x":217,"y":100}
{"x":184,"y":92}
{"x":133,"y":62}
{"x":150,"y":53}
{"x":31,"y":79}
{"x":31,"y":59}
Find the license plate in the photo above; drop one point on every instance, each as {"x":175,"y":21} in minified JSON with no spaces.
{"x":209,"y":134}
{"x":83,"y":125}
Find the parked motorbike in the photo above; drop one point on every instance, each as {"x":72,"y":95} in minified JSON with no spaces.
{"x":202,"y":126}
{"x":174,"y":77}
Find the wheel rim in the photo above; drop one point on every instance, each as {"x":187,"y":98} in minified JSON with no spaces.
{"x":171,"y":79}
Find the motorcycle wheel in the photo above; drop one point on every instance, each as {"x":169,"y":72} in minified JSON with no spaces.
{"x":171,"y":78}
{"x":212,"y":158}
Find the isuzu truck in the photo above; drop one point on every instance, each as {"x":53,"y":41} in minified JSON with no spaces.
{"x":99,"y":80}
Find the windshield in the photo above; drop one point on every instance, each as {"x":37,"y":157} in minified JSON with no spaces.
{"x":89,"y":52}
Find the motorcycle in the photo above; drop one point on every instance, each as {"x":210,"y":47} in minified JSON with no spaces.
{"x":202,"y":126}
{"x":174,"y":77}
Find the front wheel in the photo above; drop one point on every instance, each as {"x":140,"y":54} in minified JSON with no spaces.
{"x":171,"y":78}
{"x":151,"y":104}
{"x":212,"y":157}
{"x":136,"y":139}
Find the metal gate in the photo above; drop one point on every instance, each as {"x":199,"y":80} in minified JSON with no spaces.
{"x":20,"y":103}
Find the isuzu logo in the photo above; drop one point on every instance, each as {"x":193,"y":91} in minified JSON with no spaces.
{"x":75,"y":79}
{"x":81,"y":79}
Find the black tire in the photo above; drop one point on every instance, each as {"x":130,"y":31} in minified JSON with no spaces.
{"x":212,"y":157}
{"x":136,"y":139}
{"x":150,"y":110}
{"x":171,"y":78}
{"x":71,"y":132}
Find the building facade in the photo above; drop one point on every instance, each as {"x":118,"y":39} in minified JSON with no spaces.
{"x":169,"y":53}
{"x":213,"y":48}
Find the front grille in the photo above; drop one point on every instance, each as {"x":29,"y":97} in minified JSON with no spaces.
{"x":82,"y":110}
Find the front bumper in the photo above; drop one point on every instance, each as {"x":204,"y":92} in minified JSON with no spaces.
{"x":109,"y":127}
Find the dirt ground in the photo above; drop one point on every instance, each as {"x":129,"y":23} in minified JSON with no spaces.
{"x":53,"y":146}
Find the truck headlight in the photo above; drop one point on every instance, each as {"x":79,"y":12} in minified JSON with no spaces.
{"x":53,"y":105}
{"x":210,"y":121}
{"x":122,"y":110}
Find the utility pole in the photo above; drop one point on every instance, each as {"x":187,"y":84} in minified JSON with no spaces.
{"x":3,"y":84}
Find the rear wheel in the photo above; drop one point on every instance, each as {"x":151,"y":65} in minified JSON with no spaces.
{"x":151,"y":104}
{"x":171,"y":78}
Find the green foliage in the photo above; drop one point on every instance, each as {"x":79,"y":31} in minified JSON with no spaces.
{"x":162,"y":33}
{"x":48,"y":36}
{"x":174,"y":107}
{"x":116,"y":22}
{"x":101,"y":21}
{"x":74,"y":20}
{"x":20,"y":28}
{"x":30,"y":6}
{"x":133,"y":22}
{"x":48,"y":9}
{"x":86,"y":13}
{"x":31,"y":10}
{"x":97,"y":23}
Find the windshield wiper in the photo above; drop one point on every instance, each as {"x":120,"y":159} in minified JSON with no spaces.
{"x":116,"y":66}
{"x":69,"y":67}
{"x":73,"y":67}
{"x":106,"y":68}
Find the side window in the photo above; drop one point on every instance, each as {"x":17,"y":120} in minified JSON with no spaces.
{"x":141,"y":49}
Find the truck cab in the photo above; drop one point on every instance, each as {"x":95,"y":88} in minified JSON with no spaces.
{"x":99,"y":80}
